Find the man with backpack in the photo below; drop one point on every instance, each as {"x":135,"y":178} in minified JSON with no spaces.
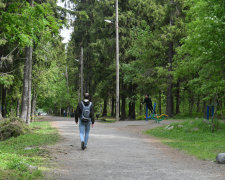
{"x":85,"y":115}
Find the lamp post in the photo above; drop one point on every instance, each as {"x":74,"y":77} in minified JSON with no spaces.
{"x":81,"y":75}
{"x":117,"y":62}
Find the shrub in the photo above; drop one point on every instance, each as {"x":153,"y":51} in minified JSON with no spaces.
{"x":142,"y":117}
{"x":12,"y":127}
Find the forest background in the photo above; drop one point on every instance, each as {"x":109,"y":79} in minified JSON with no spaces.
{"x":170,"y":49}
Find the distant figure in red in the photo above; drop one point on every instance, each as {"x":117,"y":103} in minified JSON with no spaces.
{"x":148,"y":102}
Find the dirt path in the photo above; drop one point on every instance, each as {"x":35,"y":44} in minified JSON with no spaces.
{"x":121,"y":151}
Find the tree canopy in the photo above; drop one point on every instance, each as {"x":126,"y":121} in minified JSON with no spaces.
{"x":170,"y":49}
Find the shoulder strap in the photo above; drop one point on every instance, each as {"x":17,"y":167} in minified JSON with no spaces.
{"x":89,"y":104}
{"x":84,"y":105}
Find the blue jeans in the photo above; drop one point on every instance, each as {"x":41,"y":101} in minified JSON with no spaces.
{"x":84,"y":131}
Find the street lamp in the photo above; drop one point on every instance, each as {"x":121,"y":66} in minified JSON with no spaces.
{"x":108,"y":21}
{"x":81,"y":75}
{"x":117,"y":61}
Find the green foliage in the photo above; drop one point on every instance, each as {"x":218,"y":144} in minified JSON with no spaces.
{"x":193,"y":137}
{"x":202,"y":52}
{"x":24,"y":24}
{"x":6,"y":80}
{"x":15,"y":160}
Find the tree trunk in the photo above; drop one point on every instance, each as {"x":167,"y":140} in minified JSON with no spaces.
{"x":0,"y":102}
{"x":112,"y":106}
{"x":29,"y":86}
{"x":123,"y":107}
{"x":178,"y":97}
{"x":18,"y":108}
{"x":169,"y":100}
{"x":191,"y":103}
{"x":132,"y":114}
{"x":104,"y":113}
{"x":25,"y":96}
{"x":169,"y":96}
{"x":160,"y":103}
{"x":198,"y":104}
{"x":4,"y":92}
{"x":140,"y":107}
{"x":33,"y":106}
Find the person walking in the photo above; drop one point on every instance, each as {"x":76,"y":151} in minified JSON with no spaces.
{"x":85,"y":115}
{"x":148,"y":102}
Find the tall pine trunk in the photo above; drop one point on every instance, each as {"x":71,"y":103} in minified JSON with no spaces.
{"x":33,"y":106}
{"x":0,"y":102}
{"x":29,"y":87}
{"x":160,"y":103}
{"x":123,"y":107}
{"x":18,"y":108}
{"x":191,"y":102}
{"x":112,"y":106}
{"x":132,"y":114}
{"x":104,"y":113}
{"x":140,"y":107}
{"x":178,"y":97}
{"x":169,"y":96}
{"x":4,"y":92}
{"x":25,"y":96}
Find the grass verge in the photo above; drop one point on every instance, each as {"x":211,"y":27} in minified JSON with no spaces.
{"x":107,"y":120}
{"x":20,"y":156}
{"x":193,"y":137}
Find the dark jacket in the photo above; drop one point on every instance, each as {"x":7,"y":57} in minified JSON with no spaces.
{"x":79,"y":110}
{"x":148,"y":102}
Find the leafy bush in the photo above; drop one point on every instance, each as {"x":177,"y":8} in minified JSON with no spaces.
{"x":142,"y":117}
{"x":12,"y":127}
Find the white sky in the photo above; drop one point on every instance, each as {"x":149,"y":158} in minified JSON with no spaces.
{"x":65,"y":33}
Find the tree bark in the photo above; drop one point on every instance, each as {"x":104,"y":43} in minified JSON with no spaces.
{"x":0,"y":102}
{"x":198,"y":104}
{"x":18,"y":108}
{"x":104,"y":113}
{"x":178,"y":97}
{"x":112,"y":106}
{"x":29,"y":86}
{"x":123,"y":107}
{"x":140,"y":107}
{"x":160,"y":103}
{"x":33,"y":106}
{"x":169,"y":96}
{"x":26,"y":98}
{"x":191,"y":103}
{"x":132,"y":114}
{"x":4,"y":93}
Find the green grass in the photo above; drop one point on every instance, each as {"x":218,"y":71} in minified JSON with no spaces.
{"x":107,"y":119}
{"x":193,"y":138}
{"x":14,"y":159}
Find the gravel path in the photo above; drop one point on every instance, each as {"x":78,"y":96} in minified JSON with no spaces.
{"x":120,"y":151}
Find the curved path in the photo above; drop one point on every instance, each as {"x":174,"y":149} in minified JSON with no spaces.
{"x":120,"y":151}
